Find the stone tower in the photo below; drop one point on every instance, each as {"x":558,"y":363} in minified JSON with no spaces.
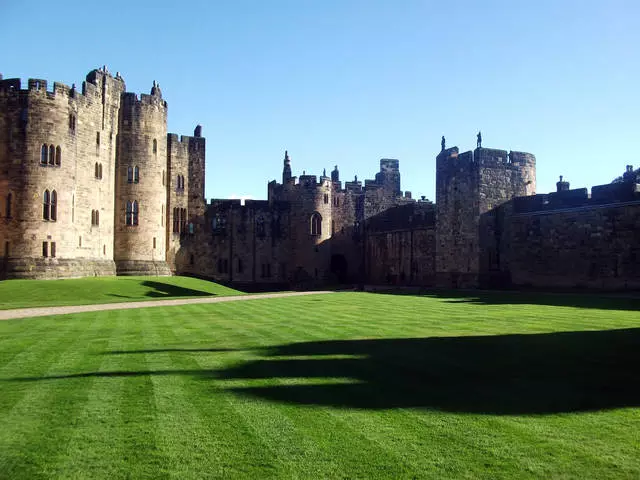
{"x":57,"y":165}
{"x":141,"y":192}
{"x":468,"y":186}
{"x":185,"y":198}
{"x":310,"y":222}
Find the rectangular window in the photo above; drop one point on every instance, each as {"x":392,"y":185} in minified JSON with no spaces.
{"x":53,"y":249}
{"x":98,"y":138}
{"x":154,"y":243}
{"x":45,"y":249}
{"x":79,"y":241}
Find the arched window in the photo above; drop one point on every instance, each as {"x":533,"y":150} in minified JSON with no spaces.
{"x":155,"y":146}
{"x":58,"y":155}
{"x":326,"y":198}
{"x":136,"y":174}
{"x":129,"y":215}
{"x":46,"y":205}
{"x":72,"y":123}
{"x":44,"y":153}
{"x":135,"y":212}
{"x":52,"y":155}
{"x":183,"y":218}
{"x":93,"y":217}
{"x":100,"y":171}
{"x":97,"y":173}
{"x":54,"y":206}
{"x":130,"y":175}
{"x":316,"y":224}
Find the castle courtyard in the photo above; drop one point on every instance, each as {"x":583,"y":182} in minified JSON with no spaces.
{"x":389,"y":384}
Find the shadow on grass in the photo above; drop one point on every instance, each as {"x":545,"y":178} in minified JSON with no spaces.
{"x":599,"y":301}
{"x":161,"y":290}
{"x":504,"y":374}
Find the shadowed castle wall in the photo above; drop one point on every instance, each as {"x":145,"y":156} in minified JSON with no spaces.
{"x":245,"y":244}
{"x":401,"y":245}
{"x":570,"y":240}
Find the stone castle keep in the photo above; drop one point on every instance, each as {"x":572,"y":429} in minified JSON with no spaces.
{"x":91,"y":183}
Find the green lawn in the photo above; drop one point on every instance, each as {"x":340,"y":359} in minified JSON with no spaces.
{"x":84,"y":291}
{"x":348,"y":385}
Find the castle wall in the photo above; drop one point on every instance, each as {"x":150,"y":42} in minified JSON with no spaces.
{"x":245,"y":244}
{"x":400,"y":246}
{"x":36,"y":117}
{"x":141,"y":248}
{"x":593,"y":245}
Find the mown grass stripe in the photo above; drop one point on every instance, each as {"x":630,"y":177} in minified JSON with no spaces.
{"x":351,"y":385}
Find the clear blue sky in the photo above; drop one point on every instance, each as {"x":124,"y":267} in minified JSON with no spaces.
{"x":349,"y":82}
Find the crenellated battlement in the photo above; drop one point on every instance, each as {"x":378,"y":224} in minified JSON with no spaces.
{"x":487,"y":157}
{"x":132,"y":99}
{"x":91,"y":87}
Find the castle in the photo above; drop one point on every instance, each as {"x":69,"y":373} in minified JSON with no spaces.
{"x":91,"y":183}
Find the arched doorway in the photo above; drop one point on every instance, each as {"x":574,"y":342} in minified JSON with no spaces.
{"x":339,"y":267}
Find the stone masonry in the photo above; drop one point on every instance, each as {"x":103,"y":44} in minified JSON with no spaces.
{"x":91,"y":183}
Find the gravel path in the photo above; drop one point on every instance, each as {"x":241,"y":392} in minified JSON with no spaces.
{"x":44,"y":311}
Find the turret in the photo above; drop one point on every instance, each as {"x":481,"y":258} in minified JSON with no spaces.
{"x":562,"y":186}
{"x":335,"y":174}
{"x":629,"y":175}
{"x":286,"y":171}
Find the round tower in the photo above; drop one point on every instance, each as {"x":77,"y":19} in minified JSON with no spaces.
{"x":141,"y":192}
{"x":49,"y":186}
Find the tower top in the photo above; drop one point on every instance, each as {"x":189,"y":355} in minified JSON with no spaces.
{"x":286,"y":171}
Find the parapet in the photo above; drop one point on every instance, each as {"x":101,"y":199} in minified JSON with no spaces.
{"x":131,"y":98}
{"x":579,"y":197}
{"x":488,"y":156}
{"x":615,"y":192}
